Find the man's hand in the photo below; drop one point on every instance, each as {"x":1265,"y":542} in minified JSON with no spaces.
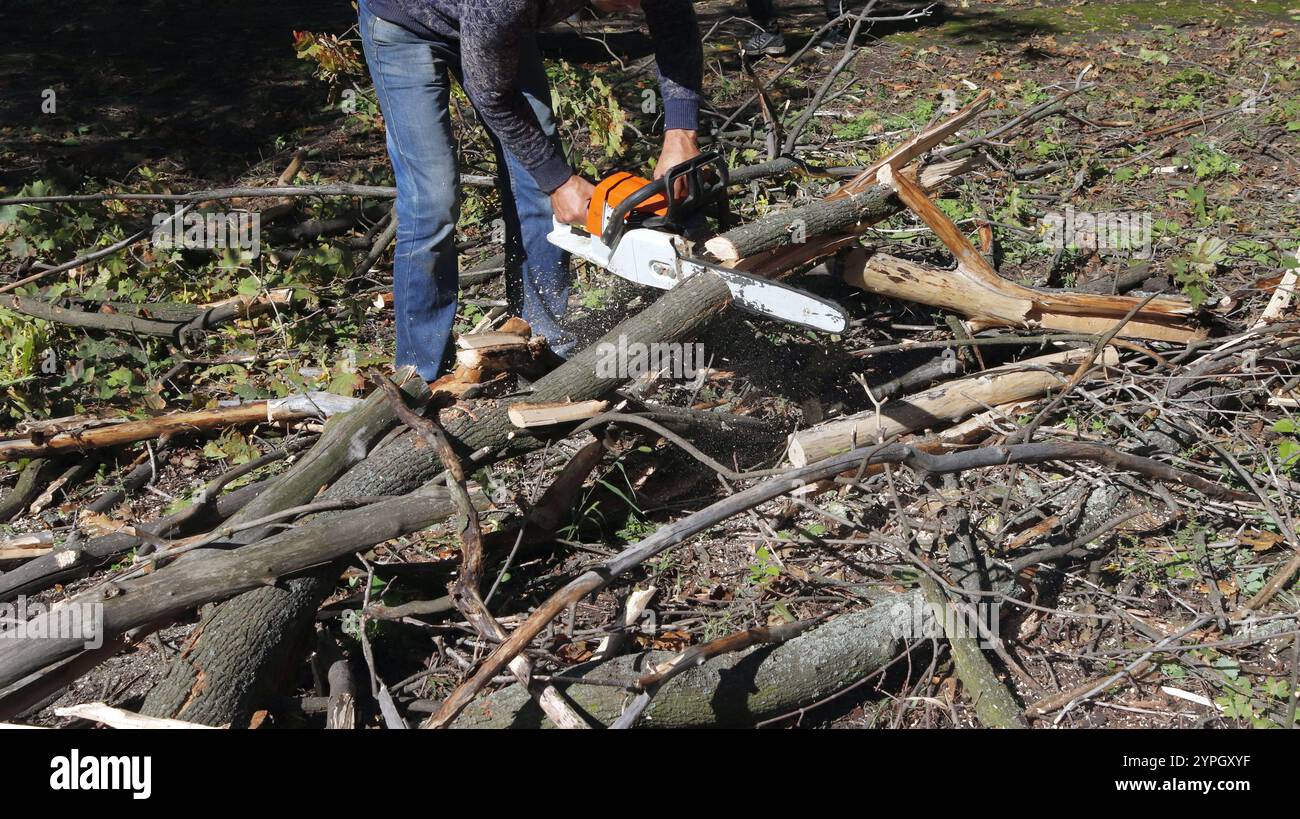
{"x":571,"y":200}
{"x":679,"y":146}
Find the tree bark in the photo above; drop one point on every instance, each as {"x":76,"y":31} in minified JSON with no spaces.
{"x":942,"y":405}
{"x":65,"y":564}
{"x":812,"y":223}
{"x":237,"y":645}
{"x":729,"y":691}
{"x":268,"y":627}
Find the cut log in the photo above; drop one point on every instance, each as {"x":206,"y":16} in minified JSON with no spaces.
{"x":479,"y":350}
{"x":342,"y":711}
{"x":481,"y":356}
{"x":976,"y":290}
{"x":940,"y":406}
{"x":26,"y":547}
{"x":818,"y":227}
{"x":485,"y":354}
{"x":729,"y":690}
{"x":484,"y":435}
{"x":293,"y":408}
{"x":529,"y":416}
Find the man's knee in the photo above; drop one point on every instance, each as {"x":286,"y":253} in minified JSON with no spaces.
{"x":427,"y":210}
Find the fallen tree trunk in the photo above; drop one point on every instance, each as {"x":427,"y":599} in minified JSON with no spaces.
{"x":1009,"y":304}
{"x":211,"y":575}
{"x":64,"y":564}
{"x":855,"y":205}
{"x":180,"y":322}
{"x":275,"y":643}
{"x":942,"y":405}
{"x":806,"y":227}
{"x":174,"y":589}
{"x":729,"y":691}
{"x":480,"y":435}
{"x":293,"y":408}
{"x":976,"y":290}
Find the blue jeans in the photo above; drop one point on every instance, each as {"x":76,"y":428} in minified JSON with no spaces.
{"x":412,"y":77}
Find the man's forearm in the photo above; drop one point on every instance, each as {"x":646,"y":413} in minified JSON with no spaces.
{"x":492,"y":36}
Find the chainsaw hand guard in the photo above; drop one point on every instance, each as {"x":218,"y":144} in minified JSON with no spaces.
{"x":652,"y":200}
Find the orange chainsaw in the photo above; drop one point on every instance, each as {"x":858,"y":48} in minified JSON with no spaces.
{"x":635,"y":230}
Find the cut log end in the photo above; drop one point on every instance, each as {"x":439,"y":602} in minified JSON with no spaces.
{"x":530,"y":416}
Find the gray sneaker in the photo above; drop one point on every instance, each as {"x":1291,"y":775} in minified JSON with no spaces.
{"x":766,"y":42}
{"x":833,"y":39}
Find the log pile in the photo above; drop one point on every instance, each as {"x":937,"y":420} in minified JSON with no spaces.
{"x":262,"y":559}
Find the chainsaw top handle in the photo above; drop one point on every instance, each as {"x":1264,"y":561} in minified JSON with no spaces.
{"x":702,"y":190}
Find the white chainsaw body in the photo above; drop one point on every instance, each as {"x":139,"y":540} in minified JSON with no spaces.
{"x":654,"y":258}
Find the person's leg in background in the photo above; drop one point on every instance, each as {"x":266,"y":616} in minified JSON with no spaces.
{"x":414,"y":88}
{"x":537,"y":272}
{"x":837,"y":36}
{"x":763,"y":11}
{"x":770,"y":40}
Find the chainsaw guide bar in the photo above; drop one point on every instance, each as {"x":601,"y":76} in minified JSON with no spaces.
{"x":633,"y":229}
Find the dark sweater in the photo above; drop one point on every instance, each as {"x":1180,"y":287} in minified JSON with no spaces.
{"x":490,"y":32}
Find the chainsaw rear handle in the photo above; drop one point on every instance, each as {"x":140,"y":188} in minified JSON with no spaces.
{"x":701,"y":191}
